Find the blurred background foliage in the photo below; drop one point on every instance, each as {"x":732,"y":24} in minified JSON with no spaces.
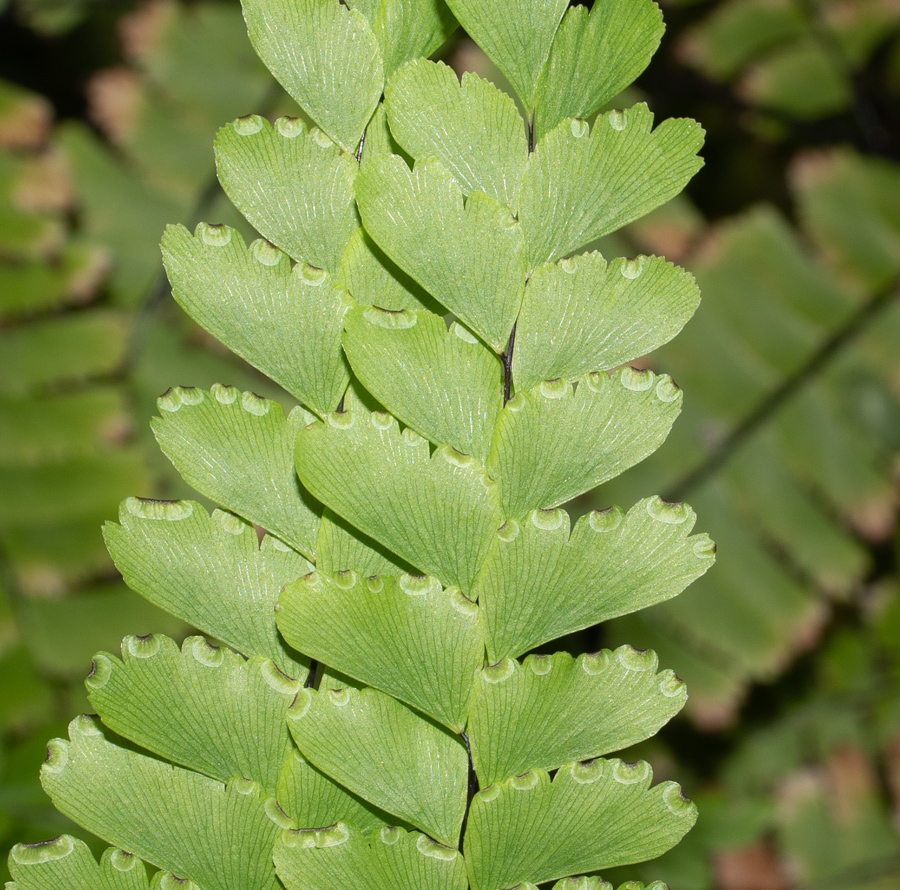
{"x":788,"y":446}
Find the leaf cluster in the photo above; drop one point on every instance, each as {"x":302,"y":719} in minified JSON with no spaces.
{"x":414,"y":545}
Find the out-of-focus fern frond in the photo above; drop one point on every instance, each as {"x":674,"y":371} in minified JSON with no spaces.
{"x":796,"y":58}
{"x":811,"y":799}
{"x":798,"y":424}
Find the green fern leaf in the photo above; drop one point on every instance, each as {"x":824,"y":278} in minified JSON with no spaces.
{"x":326,"y":56}
{"x":630,"y":560}
{"x":309,"y":799}
{"x":405,"y":636}
{"x":578,"y":315}
{"x":67,"y":863}
{"x":596,"y":703}
{"x":398,"y":213}
{"x":375,"y":280}
{"x":294,"y":187}
{"x":581,"y":182}
{"x":254,"y":302}
{"x":400,"y":762}
{"x":436,"y":512}
{"x":340,"y":547}
{"x":406,"y":29}
{"x":186,"y":823}
{"x":203,"y":707}
{"x":515,"y":34}
{"x":237,"y":449}
{"x":472,"y":128}
{"x":379,"y":140}
{"x":509,"y":820}
{"x":340,"y":857}
{"x":444,"y":384}
{"x":208,"y":570}
{"x":470,"y":257}
{"x":596,"y":55}
{"x":580,"y":438}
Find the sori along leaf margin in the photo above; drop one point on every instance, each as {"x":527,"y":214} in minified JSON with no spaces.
{"x":388,"y":554}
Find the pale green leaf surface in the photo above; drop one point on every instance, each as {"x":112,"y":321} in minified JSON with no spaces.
{"x":208,"y":570}
{"x":582,"y":183}
{"x":596,"y":55}
{"x":472,"y":128}
{"x":67,"y":863}
{"x":406,"y":29}
{"x":595,"y":704}
{"x":444,"y":384}
{"x":326,"y":56}
{"x":185,"y":823}
{"x":294,"y":187}
{"x":468,"y":255}
{"x":237,"y":449}
{"x":285,"y":321}
{"x":328,"y":679}
{"x":511,"y":824}
{"x":369,"y":8}
{"x":375,"y":280}
{"x":341,"y":857}
{"x":595,"y":882}
{"x":515,"y":34}
{"x":436,"y":512}
{"x":405,"y":636}
{"x":586,"y":314}
{"x":736,"y":619}
{"x":539,"y":584}
{"x":340,"y":547}
{"x":554,"y":443}
{"x":203,"y":707}
{"x":309,"y":799}
{"x":379,"y":142}
{"x":385,"y":753}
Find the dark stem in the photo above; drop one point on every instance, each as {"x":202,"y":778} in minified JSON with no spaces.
{"x":506,"y":357}
{"x":310,"y":681}
{"x":473,"y":785}
{"x":782,"y":394}
{"x":359,"y":150}
{"x":531,"y":134}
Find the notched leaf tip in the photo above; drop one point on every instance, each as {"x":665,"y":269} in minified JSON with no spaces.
{"x":43,"y":851}
{"x":307,"y":838}
{"x":154,"y":509}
